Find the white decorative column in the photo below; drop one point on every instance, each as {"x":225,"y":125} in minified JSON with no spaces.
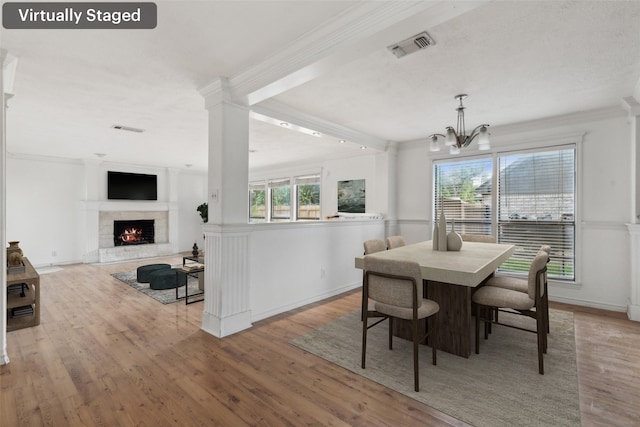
{"x":633,"y":309}
{"x":633,"y":108}
{"x":226,"y":302}
{"x":4,"y":355}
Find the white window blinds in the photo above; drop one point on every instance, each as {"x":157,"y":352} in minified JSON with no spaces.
{"x":536,"y":206}
{"x":463,"y":190}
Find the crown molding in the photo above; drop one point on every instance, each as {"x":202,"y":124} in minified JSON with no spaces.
{"x":542,"y":125}
{"x":631,"y":105}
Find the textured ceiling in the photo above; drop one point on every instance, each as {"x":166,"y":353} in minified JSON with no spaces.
{"x":517,"y":60}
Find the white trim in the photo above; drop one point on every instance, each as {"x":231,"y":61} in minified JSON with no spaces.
{"x":291,"y":306}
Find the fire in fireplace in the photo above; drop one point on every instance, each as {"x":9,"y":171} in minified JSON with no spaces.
{"x":133,"y":232}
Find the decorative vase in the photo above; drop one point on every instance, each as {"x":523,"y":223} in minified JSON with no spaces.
{"x":442,"y":231}
{"x":434,"y":236}
{"x":454,"y":240}
{"x":195,"y":250}
{"x":14,"y":247}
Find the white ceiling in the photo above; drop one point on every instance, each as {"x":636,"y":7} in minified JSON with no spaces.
{"x":517,"y":60}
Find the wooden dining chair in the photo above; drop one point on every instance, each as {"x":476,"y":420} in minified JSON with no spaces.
{"x":490,"y":299}
{"x":395,"y":242}
{"x":396,"y":288}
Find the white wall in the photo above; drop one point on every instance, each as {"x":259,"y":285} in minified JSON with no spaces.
{"x":45,"y":209}
{"x":192,"y":191}
{"x":604,"y":168}
{"x":293,"y":264}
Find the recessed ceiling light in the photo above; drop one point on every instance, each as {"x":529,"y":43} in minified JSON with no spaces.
{"x":363,"y":147}
{"x":315,"y":133}
{"x":342,"y":141}
{"x":284,"y":124}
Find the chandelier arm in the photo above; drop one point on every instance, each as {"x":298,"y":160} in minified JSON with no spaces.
{"x":474,"y":133}
{"x":436,"y":134}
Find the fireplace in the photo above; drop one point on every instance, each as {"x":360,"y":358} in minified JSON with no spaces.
{"x":133,"y":232}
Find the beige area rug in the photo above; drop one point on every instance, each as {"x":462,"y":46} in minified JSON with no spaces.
{"x":498,"y":387}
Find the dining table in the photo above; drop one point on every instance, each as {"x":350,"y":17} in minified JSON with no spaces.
{"x":450,"y":278}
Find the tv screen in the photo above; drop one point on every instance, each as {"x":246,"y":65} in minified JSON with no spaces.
{"x":131,"y":186}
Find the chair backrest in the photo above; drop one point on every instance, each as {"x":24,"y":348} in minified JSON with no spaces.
{"x":537,"y":273}
{"x":393,"y":281}
{"x":484,"y":238}
{"x":545,"y":248}
{"x":374,"y":245}
{"x":395,"y":242}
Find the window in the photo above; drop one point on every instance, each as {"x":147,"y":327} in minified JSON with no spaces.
{"x":257,"y":202}
{"x":463,"y":190}
{"x":534,"y":204}
{"x":280,"y":196}
{"x":307,"y":197}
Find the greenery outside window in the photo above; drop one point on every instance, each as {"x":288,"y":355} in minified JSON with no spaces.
{"x":307,"y":197}
{"x":257,"y":202}
{"x":462,"y":189}
{"x":280,"y":197}
{"x":534,"y":203}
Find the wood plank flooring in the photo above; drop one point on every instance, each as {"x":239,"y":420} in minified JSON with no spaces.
{"x":107,"y":355}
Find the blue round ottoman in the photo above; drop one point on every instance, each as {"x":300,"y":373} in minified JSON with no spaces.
{"x":167,"y":279}
{"x":143,"y":274}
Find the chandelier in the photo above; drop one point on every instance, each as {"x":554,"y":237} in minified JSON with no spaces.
{"x":457,"y":138}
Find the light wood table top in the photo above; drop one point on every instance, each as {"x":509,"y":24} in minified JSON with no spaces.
{"x":468,"y":267}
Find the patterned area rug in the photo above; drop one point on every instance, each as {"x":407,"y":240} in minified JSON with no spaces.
{"x":498,"y":387}
{"x":165,"y":296}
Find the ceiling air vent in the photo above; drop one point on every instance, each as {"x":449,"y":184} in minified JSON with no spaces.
{"x":412,"y":44}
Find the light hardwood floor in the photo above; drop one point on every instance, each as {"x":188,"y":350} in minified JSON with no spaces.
{"x":107,"y":355}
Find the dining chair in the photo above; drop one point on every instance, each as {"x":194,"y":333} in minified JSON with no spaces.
{"x":521,"y":285}
{"x":395,"y":242}
{"x":371,"y":247}
{"x":374,"y":245}
{"x":491,"y":298}
{"x":484,"y":238}
{"x":395,"y":286}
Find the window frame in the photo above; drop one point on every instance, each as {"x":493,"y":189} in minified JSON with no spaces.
{"x":256,"y":186}
{"x":313,"y":179}
{"x":506,"y":144}
{"x":279,"y":183}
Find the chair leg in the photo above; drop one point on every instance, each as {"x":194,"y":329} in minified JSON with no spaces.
{"x":478,"y":329}
{"x":434,"y":338}
{"x":364,"y":335}
{"x":390,"y":333}
{"x":416,"y":375}
{"x":540,"y":331}
{"x":546,"y":310}
{"x":487,"y":324}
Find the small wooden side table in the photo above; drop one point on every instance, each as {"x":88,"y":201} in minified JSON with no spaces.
{"x":30,"y":279}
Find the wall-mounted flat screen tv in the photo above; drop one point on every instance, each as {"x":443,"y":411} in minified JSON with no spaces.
{"x":131,"y":186}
